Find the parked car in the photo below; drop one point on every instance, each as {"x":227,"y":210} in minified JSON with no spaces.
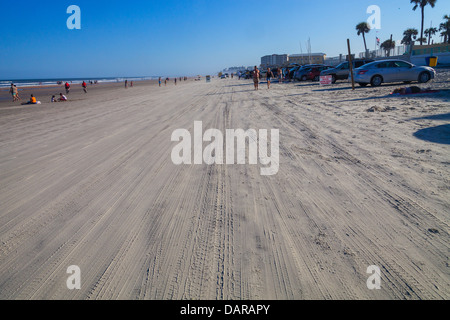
{"x":292,"y":71}
{"x":388,"y":71}
{"x":314,"y":72}
{"x":302,"y":73}
{"x":342,"y":71}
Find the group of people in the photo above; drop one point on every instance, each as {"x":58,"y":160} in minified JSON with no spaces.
{"x":14,"y":91}
{"x":168,"y":79}
{"x":257,"y":76}
{"x":61,"y":98}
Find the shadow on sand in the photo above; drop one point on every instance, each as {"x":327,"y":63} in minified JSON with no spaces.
{"x":443,"y":94}
{"x":439,"y":134}
{"x":240,"y":85}
{"x":444,"y":116}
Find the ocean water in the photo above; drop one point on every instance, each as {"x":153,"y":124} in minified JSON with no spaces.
{"x":51,"y":82}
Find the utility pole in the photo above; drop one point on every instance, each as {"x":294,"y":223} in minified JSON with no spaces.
{"x":350,"y":63}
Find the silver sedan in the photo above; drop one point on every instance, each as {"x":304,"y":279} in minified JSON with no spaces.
{"x":387,"y":71}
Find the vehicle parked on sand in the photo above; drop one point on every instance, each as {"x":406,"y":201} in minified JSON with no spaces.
{"x":301,"y":74}
{"x":388,"y":71}
{"x":314,"y":73}
{"x":342,"y":71}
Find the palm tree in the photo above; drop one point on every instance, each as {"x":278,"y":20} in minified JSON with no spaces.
{"x":362,"y":29}
{"x":422,"y":4}
{"x":429,"y":33}
{"x":409,"y":35}
{"x":445,"y":28}
{"x":422,"y":40}
{"x":388,"y":45}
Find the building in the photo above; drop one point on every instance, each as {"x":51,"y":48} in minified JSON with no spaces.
{"x":233,"y":69}
{"x":306,"y":58}
{"x":274,"y":60}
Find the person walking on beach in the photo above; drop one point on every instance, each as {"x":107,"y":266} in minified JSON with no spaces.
{"x":67,"y":86}
{"x":159,"y":81}
{"x":13,"y":91}
{"x":165,"y":82}
{"x":269,"y":77}
{"x":126,"y":84}
{"x":17,"y":93}
{"x":256,"y":75}
{"x":175,"y":81}
{"x":280,"y":75}
{"x":84,"y":85}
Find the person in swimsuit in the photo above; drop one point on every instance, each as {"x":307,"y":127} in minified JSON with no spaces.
{"x":13,"y":91}
{"x":256,"y":75}
{"x":269,"y":77}
{"x":407,"y":90}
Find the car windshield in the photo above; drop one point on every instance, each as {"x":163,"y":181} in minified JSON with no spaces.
{"x":343,"y":65}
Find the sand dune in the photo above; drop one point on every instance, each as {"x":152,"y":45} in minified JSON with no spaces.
{"x":91,"y":183}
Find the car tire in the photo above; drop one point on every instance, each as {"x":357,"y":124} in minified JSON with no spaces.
{"x":304,"y":78}
{"x":363,"y":84}
{"x":376,"y":81}
{"x":316,"y":78}
{"x":333,"y":79}
{"x":424,"y":77}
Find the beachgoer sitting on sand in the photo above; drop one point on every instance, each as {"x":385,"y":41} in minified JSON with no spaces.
{"x":62,"y":97}
{"x":54,"y":99}
{"x":407,"y":90}
{"x":32,"y":101}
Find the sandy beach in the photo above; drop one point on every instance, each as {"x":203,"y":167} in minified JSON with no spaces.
{"x":363,"y":180}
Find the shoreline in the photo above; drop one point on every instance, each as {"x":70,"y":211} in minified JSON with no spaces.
{"x":44,"y":93}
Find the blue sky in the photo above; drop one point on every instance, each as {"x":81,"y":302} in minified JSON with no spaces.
{"x":185,"y":37}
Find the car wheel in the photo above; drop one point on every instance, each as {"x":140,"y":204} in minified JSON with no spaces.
{"x":316,"y":78}
{"x":376,"y":81}
{"x":304,"y":78}
{"x":424,"y":77}
{"x":333,"y":79}
{"x":363,"y":84}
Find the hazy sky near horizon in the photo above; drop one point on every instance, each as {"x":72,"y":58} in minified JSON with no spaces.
{"x":186,"y":37}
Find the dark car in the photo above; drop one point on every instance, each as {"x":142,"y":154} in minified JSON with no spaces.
{"x":302,"y":73}
{"x":342,"y":71}
{"x":289,"y":72}
{"x":314,"y":72}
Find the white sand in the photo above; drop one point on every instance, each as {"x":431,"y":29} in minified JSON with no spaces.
{"x":91,"y":183}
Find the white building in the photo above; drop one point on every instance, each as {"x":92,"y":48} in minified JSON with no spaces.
{"x":274,"y":60}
